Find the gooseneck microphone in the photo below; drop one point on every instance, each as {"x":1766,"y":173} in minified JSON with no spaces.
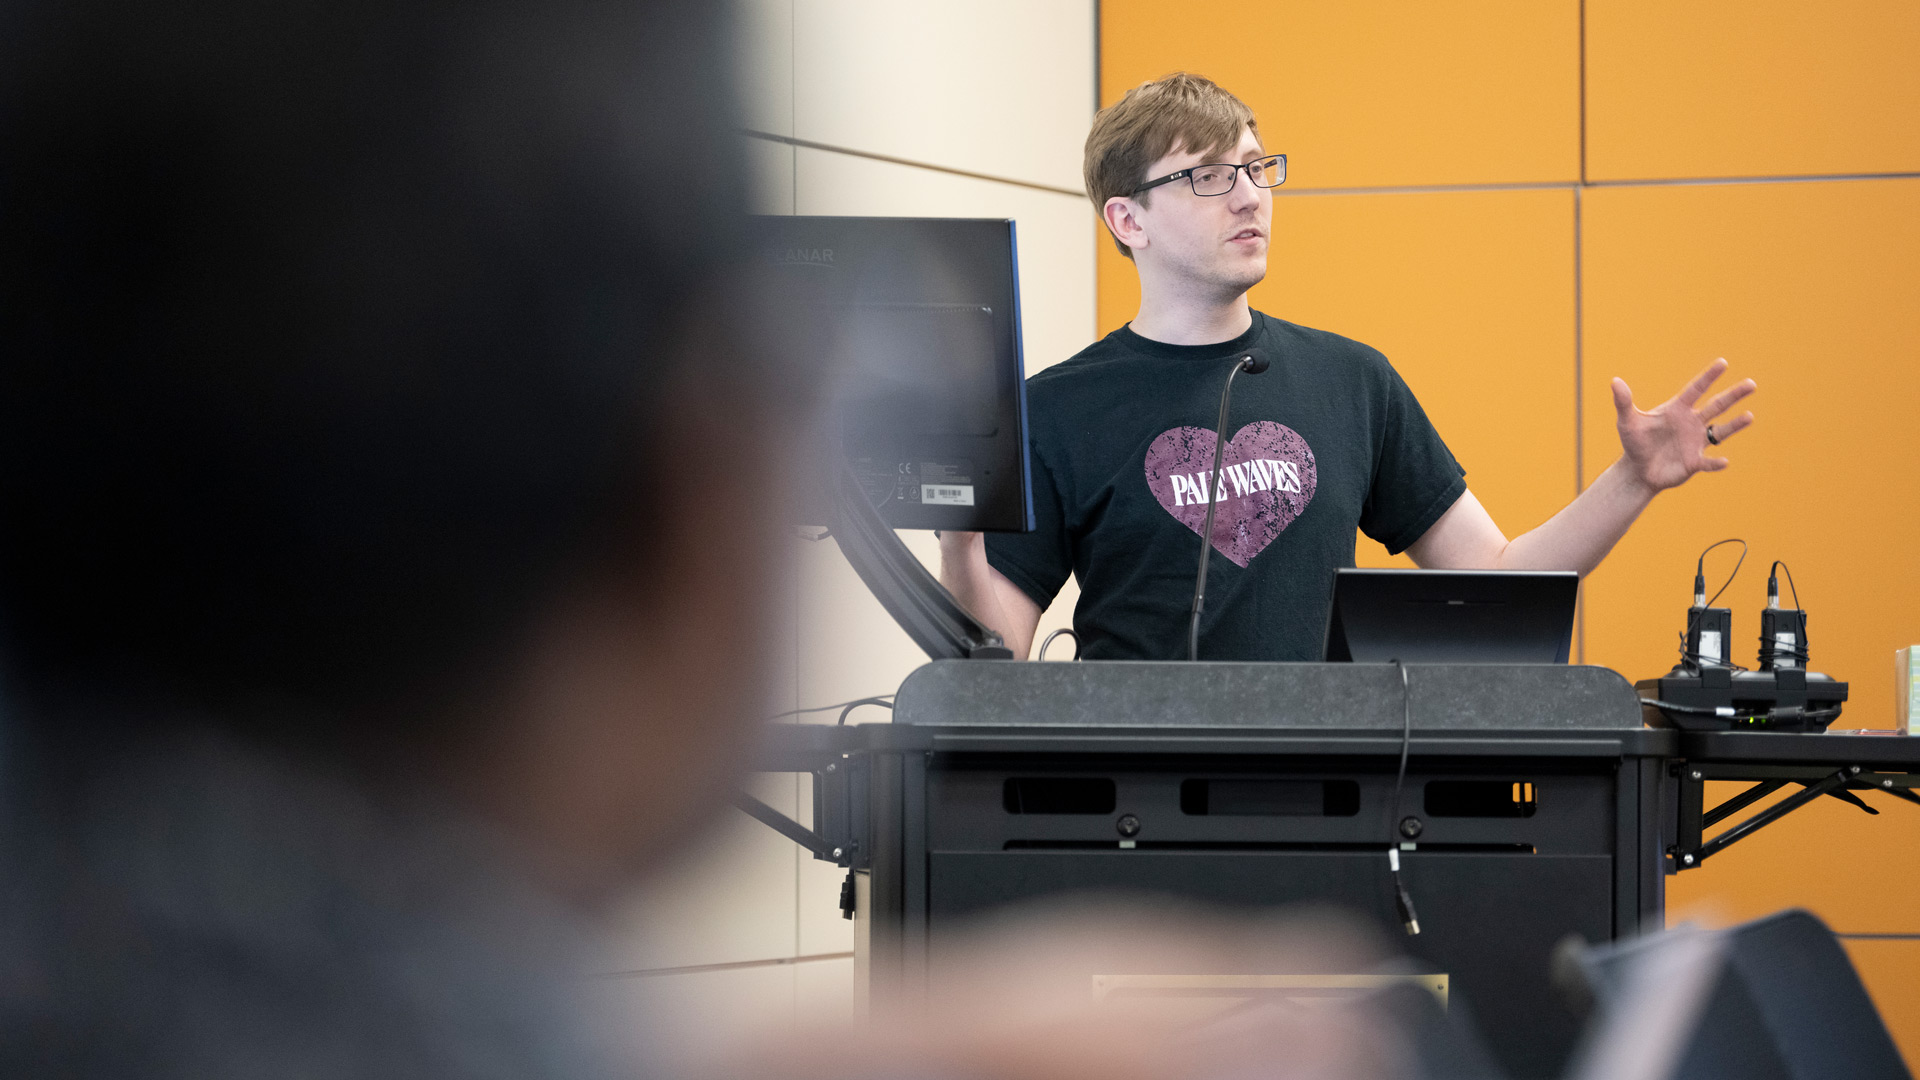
{"x":1252,"y":365}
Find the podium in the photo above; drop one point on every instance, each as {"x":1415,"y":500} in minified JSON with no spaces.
{"x":1532,"y":810}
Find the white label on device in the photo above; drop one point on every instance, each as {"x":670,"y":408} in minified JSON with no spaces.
{"x":1783,"y":642}
{"x":946,"y":494}
{"x":1710,"y":646}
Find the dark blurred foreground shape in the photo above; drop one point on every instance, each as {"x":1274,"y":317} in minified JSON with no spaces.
{"x":1771,"y":999}
{"x":1179,"y":992}
{"x":374,"y":590}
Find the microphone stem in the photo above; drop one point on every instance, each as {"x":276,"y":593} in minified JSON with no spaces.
{"x":1213,"y":500}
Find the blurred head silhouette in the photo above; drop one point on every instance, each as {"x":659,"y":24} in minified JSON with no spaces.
{"x":356,"y":400}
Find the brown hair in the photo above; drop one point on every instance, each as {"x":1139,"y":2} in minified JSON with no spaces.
{"x":1177,"y":110}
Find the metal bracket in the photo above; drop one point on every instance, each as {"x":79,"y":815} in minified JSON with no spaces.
{"x":1691,"y":848}
{"x":784,"y":825}
{"x":839,"y":813}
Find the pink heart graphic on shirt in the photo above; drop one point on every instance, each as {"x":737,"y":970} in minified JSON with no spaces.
{"x":1267,"y":478}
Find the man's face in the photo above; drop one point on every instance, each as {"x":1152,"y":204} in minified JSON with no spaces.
{"x":1217,"y":243}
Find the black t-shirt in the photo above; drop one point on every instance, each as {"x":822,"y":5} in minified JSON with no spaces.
{"x":1327,"y":439}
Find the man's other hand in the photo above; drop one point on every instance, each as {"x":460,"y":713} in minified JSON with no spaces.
{"x":984,"y":591}
{"x":1669,"y":443}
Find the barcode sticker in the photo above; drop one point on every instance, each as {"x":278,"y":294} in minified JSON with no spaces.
{"x":1710,"y":646}
{"x":946,"y":494}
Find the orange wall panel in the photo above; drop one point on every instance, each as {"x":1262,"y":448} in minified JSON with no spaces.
{"x":1751,"y":88}
{"x":1470,"y":295}
{"x":1376,"y":92}
{"x":1808,"y":288}
{"x":1827,"y":857}
{"x":1889,"y":968}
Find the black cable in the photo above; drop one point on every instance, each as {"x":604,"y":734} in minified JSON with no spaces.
{"x":1408,"y":917}
{"x":1770,"y":651}
{"x":1693,"y":659}
{"x":1781,"y":564}
{"x":1690,"y":710}
{"x":1777,"y":713}
{"x":852,"y":705}
{"x":1212,"y":494}
{"x":1406,"y":743}
{"x":828,"y":708}
{"x":1057,"y":633}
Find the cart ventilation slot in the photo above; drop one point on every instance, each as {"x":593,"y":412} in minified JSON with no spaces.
{"x":1270,"y":798}
{"x":1480,"y":798}
{"x":1057,"y":795}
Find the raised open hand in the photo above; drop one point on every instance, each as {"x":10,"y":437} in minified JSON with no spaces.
{"x":1667,"y":444}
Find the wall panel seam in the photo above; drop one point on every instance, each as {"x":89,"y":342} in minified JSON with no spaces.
{"x":1703,"y":181}
{"x":1579,"y":400}
{"x":1570,"y":185}
{"x":1096,"y":54}
{"x":1583,"y":90}
{"x":808,"y":144}
{"x":736,"y":965}
{"x":793,"y":110}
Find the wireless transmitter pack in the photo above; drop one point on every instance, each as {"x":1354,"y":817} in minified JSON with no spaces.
{"x":1707,"y":691}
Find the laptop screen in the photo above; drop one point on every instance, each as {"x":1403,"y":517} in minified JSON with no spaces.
{"x":1452,"y":616}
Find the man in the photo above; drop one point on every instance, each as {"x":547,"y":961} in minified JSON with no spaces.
{"x":1328,"y":440}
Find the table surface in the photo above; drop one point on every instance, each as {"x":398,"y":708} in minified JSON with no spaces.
{"x":1812,"y":748}
{"x":799,"y":747}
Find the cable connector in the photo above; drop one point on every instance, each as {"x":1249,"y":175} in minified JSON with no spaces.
{"x":1709,"y":629}
{"x":1409,"y":918}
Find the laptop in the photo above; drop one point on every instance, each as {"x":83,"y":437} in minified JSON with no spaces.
{"x":1452,"y":616}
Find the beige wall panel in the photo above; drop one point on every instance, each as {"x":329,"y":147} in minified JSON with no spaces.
{"x":828,"y":993}
{"x":729,"y":897}
{"x":1807,"y":288}
{"x":763,"y":62}
{"x":1003,"y":87}
{"x":1470,"y":295}
{"x":1751,"y":88}
{"x":685,"y":1021}
{"x":1376,"y":92}
{"x":849,"y":646}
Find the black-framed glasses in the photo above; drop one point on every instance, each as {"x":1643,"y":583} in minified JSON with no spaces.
{"x":1266,"y":172}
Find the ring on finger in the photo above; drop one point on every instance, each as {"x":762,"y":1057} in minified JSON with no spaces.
{"x":1711,"y":437}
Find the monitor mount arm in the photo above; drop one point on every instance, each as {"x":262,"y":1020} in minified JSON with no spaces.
{"x":918,"y":602}
{"x":923,"y":607}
